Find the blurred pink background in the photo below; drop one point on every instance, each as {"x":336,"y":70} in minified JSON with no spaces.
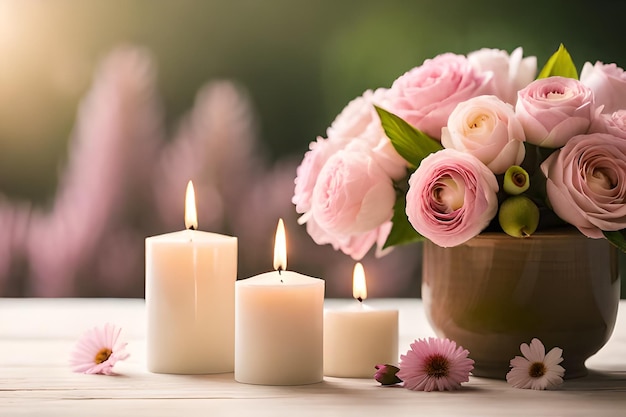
{"x":125,"y":180}
{"x":109,"y":108}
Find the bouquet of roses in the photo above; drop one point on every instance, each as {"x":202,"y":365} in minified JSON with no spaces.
{"x":463,"y":144}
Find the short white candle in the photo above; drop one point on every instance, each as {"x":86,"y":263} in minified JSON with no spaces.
{"x":279,"y":325}
{"x":359,"y":337}
{"x":190,"y":299}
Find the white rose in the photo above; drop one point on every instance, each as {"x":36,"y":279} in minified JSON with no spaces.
{"x":487,"y":128}
{"x":608,"y":83}
{"x":510,"y":72}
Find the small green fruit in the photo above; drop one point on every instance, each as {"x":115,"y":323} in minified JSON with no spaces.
{"x":518,"y":216}
{"x":516,"y":180}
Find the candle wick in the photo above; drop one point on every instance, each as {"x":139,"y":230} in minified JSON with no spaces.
{"x":191,"y":227}
{"x":360,"y":299}
{"x":280,"y":270}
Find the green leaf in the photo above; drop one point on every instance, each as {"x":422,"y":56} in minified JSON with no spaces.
{"x":412,"y":144}
{"x":617,"y":238}
{"x":401,"y":232}
{"x":559,"y":64}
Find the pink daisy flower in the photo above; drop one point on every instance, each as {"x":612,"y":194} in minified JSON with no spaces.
{"x":536,"y":369}
{"x":98,"y":350}
{"x":435,"y":364}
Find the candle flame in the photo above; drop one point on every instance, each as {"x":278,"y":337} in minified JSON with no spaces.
{"x":359,"y":287}
{"x":280,"y":247}
{"x":191,"y":215}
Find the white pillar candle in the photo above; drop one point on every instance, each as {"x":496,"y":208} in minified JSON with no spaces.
{"x":190,"y":299}
{"x":279,"y":325}
{"x":359,"y":337}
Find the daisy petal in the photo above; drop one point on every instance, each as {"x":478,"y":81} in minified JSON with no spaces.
{"x":537,"y":351}
{"x":554,"y":357}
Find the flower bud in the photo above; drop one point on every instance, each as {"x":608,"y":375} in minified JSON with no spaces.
{"x":386,"y":374}
{"x":516,"y":180}
{"x":518,"y":216}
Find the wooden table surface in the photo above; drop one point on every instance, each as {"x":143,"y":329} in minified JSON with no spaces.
{"x":37,"y":336}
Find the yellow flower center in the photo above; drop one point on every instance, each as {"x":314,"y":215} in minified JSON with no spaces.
{"x":478,"y":121}
{"x":537,"y":370}
{"x":102,"y":355}
{"x":437,"y":366}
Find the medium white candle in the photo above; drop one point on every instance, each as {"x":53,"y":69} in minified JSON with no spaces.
{"x":279,"y":325}
{"x":190,"y":299}
{"x":359,"y":337}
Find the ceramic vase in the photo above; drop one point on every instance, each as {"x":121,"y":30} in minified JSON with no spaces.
{"x":496,"y":292}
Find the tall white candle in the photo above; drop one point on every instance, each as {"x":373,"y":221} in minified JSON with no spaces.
{"x":359,"y":337}
{"x":279,"y":325}
{"x":190,"y":299}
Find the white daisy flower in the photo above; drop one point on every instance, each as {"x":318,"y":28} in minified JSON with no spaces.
{"x":536,"y":369}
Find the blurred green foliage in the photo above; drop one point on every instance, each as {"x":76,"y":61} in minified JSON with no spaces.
{"x":301,"y":61}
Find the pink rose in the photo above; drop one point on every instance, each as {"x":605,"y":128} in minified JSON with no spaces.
{"x":357,"y":126}
{"x":613,"y":123}
{"x":352,"y":171}
{"x":486,"y":127}
{"x":359,"y":123}
{"x":608,"y":83}
{"x":352,"y":194}
{"x":586,"y":183}
{"x":426,"y":95}
{"x":451,"y":198}
{"x":358,"y":116}
{"x":309,"y":169}
{"x":511,"y":72}
{"x":351,"y":204}
{"x":356,"y":246}
{"x":554,"y":109}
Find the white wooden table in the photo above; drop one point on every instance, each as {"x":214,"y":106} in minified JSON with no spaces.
{"x":37,"y":335}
